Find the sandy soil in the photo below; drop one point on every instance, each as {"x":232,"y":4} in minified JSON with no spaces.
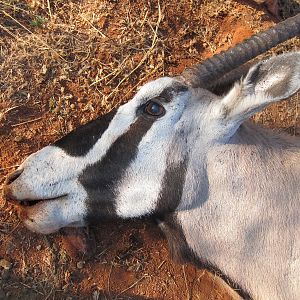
{"x":64,"y":63}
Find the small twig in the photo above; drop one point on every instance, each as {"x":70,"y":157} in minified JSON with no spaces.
{"x":101,"y":253}
{"x":29,"y":287}
{"x":101,"y":33}
{"x":147,"y":54}
{"x":10,"y":167}
{"x":115,"y":72}
{"x":203,"y":273}
{"x":131,"y":286}
{"x":39,"y":39}
{"x":14,"y":6}
{"x":161,"y":264}
{"x":296,"y":114}
{"x":108,"y":280}
{"x":9,"y":32}
{"x":49,"y":293}
{"x":26,"y":122}
{"x":2,"y":114}
{"x":12,"y":108}
{"x":49,"y":9}
{"x":11,"y":231}
{"x":186,"y":284}
{"x":157,"y":25}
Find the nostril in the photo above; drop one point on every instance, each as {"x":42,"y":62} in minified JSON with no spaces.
{"x":13,"y":176}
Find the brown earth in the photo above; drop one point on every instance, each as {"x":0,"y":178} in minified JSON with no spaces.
{"x":63,"y":63}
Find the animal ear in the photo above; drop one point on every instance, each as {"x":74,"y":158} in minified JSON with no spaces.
{"x":266,"y":82}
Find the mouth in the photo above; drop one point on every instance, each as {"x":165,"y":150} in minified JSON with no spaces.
{"x":29,"y":203}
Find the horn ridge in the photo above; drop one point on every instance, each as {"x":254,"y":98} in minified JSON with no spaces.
{"x":205,"y":73}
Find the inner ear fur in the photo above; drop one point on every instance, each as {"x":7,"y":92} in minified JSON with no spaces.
{"x":266,"y":82}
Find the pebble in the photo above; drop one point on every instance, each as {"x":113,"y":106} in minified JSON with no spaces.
{"x":18,"y":139}
{"x":44,"y":69}
{"x":5,"y":264}
{"x":80,"y":264}
{"x":38,"y":247}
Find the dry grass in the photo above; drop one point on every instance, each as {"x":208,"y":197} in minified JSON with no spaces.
{"x":62,"y":53}
{"x":69,"y":46}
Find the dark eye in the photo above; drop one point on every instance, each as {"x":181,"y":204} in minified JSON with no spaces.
{"x":154,"y":109}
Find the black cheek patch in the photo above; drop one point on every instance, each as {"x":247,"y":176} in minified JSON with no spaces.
{"x":82,"y":139}
{"x":101,"y":179}
{"x":172,"y":187}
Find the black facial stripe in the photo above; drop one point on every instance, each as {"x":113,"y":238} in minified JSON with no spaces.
{"x":100,"y":179}
{"x":168,"y":93}
{"x":82,"y":139}
{"x":172,"y":187}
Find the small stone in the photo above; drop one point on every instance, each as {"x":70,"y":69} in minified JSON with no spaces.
{"x":72,"y":106}
{"x":18,"y":139}
{"x":38,"y":247}
{"x":68,"y":96}
{"x":5,"y":264}
{"x":80,"y":264}
{"x":44,"y":69}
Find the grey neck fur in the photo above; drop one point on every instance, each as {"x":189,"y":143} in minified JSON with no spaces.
{"x":251,"y":241}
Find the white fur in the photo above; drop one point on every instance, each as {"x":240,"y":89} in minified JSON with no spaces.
{"x":136,"y":199}
{"x":52,"y":173}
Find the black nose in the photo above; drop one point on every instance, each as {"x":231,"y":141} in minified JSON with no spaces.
{"x":13,"y":176}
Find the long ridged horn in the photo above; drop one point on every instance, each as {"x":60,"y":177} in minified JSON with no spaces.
{"x":207,"y":72}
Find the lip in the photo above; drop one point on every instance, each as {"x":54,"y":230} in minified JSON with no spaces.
{"x":24,"y":208}
{"x":26,"y":203}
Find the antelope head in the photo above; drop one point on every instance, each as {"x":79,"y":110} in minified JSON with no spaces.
{"x":132,"y":161}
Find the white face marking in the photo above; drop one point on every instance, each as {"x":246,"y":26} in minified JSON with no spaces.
{"x":139,"y":197}
{"x":52,"y":173}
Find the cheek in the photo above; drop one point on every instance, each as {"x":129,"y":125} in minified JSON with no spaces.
{"x":138,"y":190}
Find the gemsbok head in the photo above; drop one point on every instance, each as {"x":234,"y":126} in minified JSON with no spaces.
{"x":225,"y":191}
